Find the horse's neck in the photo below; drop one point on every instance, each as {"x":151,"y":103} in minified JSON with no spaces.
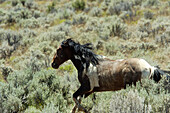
{"x":80,"y":68}
{"x":78,"y":64}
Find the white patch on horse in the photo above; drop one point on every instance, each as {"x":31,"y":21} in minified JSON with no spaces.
{"x":93,"y":77}
{"x":77,"y":57}
{"x":101,"y":57}
{"x":146,"y":68}
{"x":119,"y":60}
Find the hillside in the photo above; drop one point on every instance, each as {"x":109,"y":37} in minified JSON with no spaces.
{"x":32,"y":30}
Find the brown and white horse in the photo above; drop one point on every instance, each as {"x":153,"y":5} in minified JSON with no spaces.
{"x":97,"y":73}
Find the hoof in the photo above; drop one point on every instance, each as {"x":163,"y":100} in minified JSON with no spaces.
{"x":80,"y":108}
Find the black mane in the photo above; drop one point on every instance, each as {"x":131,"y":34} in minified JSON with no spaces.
{"x":83,"y":51}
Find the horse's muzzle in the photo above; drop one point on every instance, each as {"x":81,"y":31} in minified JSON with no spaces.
{"x":54,"y":65}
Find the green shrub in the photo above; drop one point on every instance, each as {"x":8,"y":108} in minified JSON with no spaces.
{"x":14,"y":2}
{"x":23,"y":2}
{"x":118,"y":29}
{"x":119,"y":6}
{"x":148,"y":15}
{"x":29,"y":88}
{"x":68,"y":68}
{"x":16,"y":14}
{"x":32,"y":109}
{"x":111,"y":26}
{"x":50,"y":108}
{"x":10,"y":41}
{"x":5,"y":70}
{"x":29,"y":23}
{"x":79,"y":4}
{"x":112,"y":48}
{"x":51,"y":7}
{"x":129,"y":102}
{"x":80,"y":19}
{"x":149,"y":3}
{"x":95,"y":11}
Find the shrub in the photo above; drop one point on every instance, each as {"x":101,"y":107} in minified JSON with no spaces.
{"x":162,"y":39}
{"x":109,"y":26}
{"x":29,"y":23}
{"x":39,"y":58}
{"x":103,"y":31}
{"x":66,"y":14}
{"x":148,"y":15}
{"x":13,"y":38}
{"x":105,"y":34}
{"x":51,"y":8}
{"x":27,"y":90}
{"x":63,"y":27}
{"x":127,"y":15}
{"x":14,"y":2}
{"x":80,"y":19}
{"x":141,"y":99}
{"x":79,"y":4}
{"x":114,"y":10}
{"x":1,"y":1}
{"x":149,"y":3}
{"x":92,"y":24}
{"x":69,"y":68}
{"x":160,"y":25}
{"x":36,"y":14}
{"x":31,"y":4}
{"x":101,"y":103}
{"x":112,"y":48}
{"x":145,"y":26}
{"x":5,"y":50}
{"x":137,"y":2}
{"x":6,"y":70}
{"x":118,"y":29}
{"x":10,"y":42}
{"x":23,"y":2}
{"x":95,"y":11}
{"x":50,"y":108}
{"x":17,"y":13}
{"x":33,"y":109}
{"x":10,"y":98}
{"x":53,"y":36}
{"x":129,"y":102}
{"x":118,"y":7}
{"x":100,"y":45}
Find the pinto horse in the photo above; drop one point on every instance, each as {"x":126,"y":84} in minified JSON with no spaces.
{"x":97,"y":73}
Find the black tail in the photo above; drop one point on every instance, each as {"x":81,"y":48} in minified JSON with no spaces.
{"x":167,"y":74}
{"x":158,"y":73}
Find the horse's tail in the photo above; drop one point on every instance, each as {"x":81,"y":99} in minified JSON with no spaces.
{"x":156,"y":74}
{"x":167,"y":74}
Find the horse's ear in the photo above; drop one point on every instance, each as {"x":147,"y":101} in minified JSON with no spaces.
{"x":67,"y":43}
{"x":64,"y":44}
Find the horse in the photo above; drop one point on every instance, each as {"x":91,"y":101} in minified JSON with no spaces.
{"x":97,"y":73}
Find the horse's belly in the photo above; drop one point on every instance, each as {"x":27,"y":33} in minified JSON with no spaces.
{"x":110,"y":83}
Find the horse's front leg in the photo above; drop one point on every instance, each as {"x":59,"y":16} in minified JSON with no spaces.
{"x":81,"y":91}
{"x":75,"y":106}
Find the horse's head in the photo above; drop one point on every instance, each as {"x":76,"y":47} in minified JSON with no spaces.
{"x":62,"y":54}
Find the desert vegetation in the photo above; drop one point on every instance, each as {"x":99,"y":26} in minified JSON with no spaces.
{"x":32,"y":30}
